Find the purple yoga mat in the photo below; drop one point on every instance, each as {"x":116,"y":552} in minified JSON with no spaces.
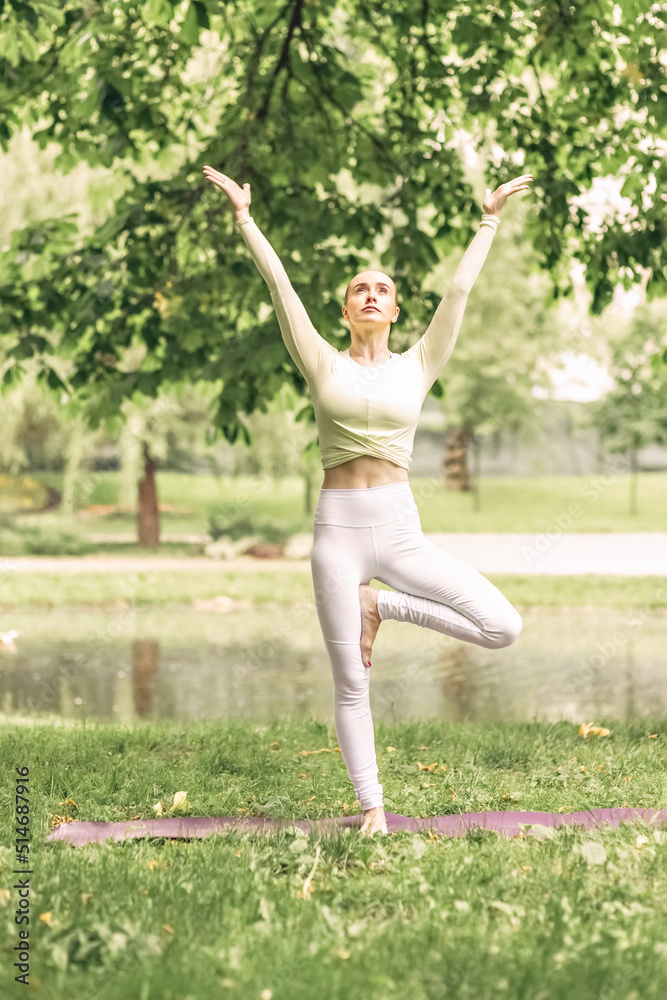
{"x":456,"y":825}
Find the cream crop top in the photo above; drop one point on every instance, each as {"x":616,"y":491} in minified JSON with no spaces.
{"x":367,"y":410}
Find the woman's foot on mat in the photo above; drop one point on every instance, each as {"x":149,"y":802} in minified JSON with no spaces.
{"x":370,"y":621}
{"x":374,"y":822}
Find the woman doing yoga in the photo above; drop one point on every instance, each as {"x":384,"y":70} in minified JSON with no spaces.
{"x":367,"y":403}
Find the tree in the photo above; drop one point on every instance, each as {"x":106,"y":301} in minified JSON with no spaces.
{"x":284,"y":442}
{"x":488,"y":381}
{"x":31,"y":433}
{"x":303,"y":95}
{"x":634,"y":411}
{"x":178,"y":416}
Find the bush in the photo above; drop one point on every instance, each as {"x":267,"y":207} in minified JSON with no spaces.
{"x":220,"y":524}
{"x":27,"y":541}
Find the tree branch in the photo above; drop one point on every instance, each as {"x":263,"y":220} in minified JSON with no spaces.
{"x":379,"y":145}
{"x":283,"y":59}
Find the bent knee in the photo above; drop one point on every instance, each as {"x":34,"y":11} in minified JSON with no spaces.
{"x":508,"y":629}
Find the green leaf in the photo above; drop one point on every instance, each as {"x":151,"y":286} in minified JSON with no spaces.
{"x":189,"y":33}
{"x":29,"y":48}
{"x":54,"y":380}
{"x":202,"y":14}
{"x":158,"y":11}
{"x":13,"y":375}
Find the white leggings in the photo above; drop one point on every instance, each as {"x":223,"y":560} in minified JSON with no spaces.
{"x":375,"y":533}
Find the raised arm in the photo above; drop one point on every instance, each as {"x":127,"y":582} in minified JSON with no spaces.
{"x":437,"y":343}
{"x":307,"y":348}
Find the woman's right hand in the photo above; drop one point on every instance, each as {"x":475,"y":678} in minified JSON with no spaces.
{"x":238,"y":196}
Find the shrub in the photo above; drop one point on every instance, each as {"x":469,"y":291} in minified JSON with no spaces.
{"x":28,"y":541}
{"x":221,"y":524}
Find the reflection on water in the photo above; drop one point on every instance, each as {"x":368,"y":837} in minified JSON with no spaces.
{"x":270,"y":661}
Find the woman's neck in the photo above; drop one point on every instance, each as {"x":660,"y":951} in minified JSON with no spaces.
{"x":369,"y":353}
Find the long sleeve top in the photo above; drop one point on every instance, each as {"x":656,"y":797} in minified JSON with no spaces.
{"x":363,"y":410}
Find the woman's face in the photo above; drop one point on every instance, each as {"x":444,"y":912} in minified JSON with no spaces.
{"x":371,"y":299}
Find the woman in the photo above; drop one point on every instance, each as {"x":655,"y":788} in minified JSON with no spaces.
{"x":367,"y":403}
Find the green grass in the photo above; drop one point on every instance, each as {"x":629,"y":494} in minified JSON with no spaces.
{"x":290,"y":584}
{"x":580,"y":914}
{"x":534,"y":504}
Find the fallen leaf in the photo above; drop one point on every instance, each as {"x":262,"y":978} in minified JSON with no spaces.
{"x":46,"y":917}
{"x":588,"y":729}
{"x":180,"y":800}
{"x":63,"y":819}
{"x":168,"y":928}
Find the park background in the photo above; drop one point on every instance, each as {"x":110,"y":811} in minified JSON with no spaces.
{"x":159,"y":470}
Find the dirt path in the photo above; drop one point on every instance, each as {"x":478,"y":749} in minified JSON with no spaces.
{"x":628,"y":554}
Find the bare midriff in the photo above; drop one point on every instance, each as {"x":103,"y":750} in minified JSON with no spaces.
{"x":362,"y":473}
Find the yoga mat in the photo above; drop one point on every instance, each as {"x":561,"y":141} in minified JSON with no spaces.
{"x":457,"y":825}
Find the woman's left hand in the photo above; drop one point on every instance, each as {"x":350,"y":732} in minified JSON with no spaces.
{"x":493,"y":202}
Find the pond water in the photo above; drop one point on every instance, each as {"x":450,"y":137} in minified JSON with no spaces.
{"x":269,"y":661}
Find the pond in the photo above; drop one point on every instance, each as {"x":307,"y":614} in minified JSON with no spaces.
{"x":269,"y":661}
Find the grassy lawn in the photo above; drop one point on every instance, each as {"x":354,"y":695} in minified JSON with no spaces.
{"x":291,"y":584}
{"x":580,"y":914}
{"x":536,"y":504}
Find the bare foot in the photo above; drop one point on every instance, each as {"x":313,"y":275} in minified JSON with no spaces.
{"x":374,"y":822}
{"x":370,"y":620}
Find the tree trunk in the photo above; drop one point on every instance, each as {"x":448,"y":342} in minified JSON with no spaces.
{"x":456,"y":459}
{"x":475,"y":478}
{"x":634,"y":466}
{"x":147,"y":512}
